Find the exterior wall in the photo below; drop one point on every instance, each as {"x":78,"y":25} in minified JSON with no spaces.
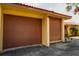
{"x":1,"y":29}
{"x":20,"y":11}
{"x":7,"y":9}
{"x":26,"y":13}
{"x":45,"y":32}
{"x":62,"y":30}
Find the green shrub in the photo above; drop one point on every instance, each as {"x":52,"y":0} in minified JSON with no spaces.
{"x":74,"y":30}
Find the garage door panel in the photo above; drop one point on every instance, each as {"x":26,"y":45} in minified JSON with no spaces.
{"x":55,"y":29}
{"x":20,"y":31}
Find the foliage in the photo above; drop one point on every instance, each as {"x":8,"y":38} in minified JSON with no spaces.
{"x":70,"y":6}
{"x":74,"y":30}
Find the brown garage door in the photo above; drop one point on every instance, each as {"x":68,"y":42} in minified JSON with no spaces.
{"x":55,"y":29}
{"x":21,"y":31}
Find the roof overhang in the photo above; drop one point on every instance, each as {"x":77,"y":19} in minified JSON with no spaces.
{"x":39,"y":10}
{"x":71,"y":24}
{"x":48,"y":12}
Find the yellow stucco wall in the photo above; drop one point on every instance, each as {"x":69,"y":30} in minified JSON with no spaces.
{"x":62,"y":30}
{"x":45,"y":22}
{"x":13,"y":10}
{"x":21,"y":13}
{"x":7,"y":9}
{"x":45,"y":32}
{"x":1,"y":28}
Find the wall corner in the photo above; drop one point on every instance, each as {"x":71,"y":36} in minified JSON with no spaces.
{"x":1,"y":29}
{"x":45,"y":32}
{"x":62,"y":31}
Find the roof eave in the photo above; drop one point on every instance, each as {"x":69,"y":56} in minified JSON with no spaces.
{"x":48,"y":12}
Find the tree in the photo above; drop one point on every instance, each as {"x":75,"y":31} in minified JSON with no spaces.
{"x":74,"y":30}
{"x":74,"y":6}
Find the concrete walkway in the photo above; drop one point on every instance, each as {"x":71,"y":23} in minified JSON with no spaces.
{"x":59,"y":49}
{"x":76,"y":37}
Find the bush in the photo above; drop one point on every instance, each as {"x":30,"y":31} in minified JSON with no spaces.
{"x":74,"y":30}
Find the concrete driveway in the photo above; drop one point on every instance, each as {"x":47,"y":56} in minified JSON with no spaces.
{"x":59,"y":49}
